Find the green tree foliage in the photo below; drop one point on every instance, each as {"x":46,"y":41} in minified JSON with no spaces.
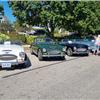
{"x":6,"y":27}
{"x":78,"y":16}
{"x":87,"y":17}
{"x":4,"y":37}
{"x":20,"y":28}
{"x":1,"y":10}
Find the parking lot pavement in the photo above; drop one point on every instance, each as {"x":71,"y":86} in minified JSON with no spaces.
{"x":35,"y":63}
{"x":75,"y":78}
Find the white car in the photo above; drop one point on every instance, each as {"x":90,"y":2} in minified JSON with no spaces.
{"x":11,"y":54}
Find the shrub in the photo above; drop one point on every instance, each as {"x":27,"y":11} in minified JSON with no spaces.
{"x":4,"y":37}
{"x":22,"y":38}
{"x":19,"y":37}
{"x":30,"y":39}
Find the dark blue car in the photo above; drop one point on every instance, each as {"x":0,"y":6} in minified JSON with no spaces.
{"x":73,"y":47}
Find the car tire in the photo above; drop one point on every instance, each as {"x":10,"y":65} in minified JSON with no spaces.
{"x":69,"y":52}
{"x":87,"y":54}
{"x":63,"y":58}
{"x":0,"y":68}
{"x":40,"y":57}
{"x":12,"y":67}
{"x":22,"y":65}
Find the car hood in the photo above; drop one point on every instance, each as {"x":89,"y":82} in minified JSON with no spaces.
{"x":74,"y":44}
{"x":77,"y":44}
{"x":51,"y":46}
{"x":11,"y":49}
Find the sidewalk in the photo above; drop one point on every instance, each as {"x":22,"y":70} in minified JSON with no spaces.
{"x":26,"y":47}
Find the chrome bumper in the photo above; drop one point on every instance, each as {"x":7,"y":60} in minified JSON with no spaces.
{"x":53,"y":55}
{"x":81,"y":52}
{"x":13,"y":63}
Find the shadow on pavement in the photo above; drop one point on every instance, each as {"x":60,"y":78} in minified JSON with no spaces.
{"x":41,"y":67}
{"x":53,"y":59}
{"x":80,"y":55}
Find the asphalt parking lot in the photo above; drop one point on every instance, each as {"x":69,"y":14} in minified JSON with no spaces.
{"x":33,"y":63}
{"x":74,"y":78}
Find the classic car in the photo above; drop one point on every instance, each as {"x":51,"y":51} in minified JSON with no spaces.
{"x":89,"y":42}
{"x":47,"y":48}
{"x":11,"y":54}
{"x":74,"y":47}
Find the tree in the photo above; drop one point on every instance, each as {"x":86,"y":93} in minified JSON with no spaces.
{"x":27,"y":12}
{"x":39,"y":13}
{"x":20,"y":28}
{"x":87,"y":17}
{"x":6,"y":27}
{"x":78,"y":16}
{"x":1,"y":10}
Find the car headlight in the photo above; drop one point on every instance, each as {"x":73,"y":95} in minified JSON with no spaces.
{"x":89,"y":48}
{"x":22,"y":55}
{"x":64,"y":49}
{"x":44,"y":50}
{"x":75,"y":48}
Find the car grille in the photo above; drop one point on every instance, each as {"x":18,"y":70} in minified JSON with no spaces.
{"x":8,"y":57}
{"x":54,"y":52}
{"x":81,"y":49}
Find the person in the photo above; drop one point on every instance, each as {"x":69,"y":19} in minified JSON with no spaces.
{"x":97,"y":45}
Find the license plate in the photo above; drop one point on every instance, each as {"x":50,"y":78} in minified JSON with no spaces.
{"x":6,"y":65}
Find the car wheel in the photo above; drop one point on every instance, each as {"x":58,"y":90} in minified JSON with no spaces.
{"x":22,"y":65}
{"x":63,"y":58}
{"x":12,"y":67}
{"x":87,"y":54}
{"x":40,"y":55}
{"x":69,"y":52}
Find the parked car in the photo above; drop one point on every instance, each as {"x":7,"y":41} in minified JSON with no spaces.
{"x":89,"y":42}
{"x":74,"y":48}
{"x":47,"y":48}
{"x":12,"y":54}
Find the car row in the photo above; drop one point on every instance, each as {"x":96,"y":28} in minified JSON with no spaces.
{"x":12,"y":53}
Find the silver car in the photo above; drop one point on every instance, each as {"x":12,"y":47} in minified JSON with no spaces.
{"x":11,"y":54}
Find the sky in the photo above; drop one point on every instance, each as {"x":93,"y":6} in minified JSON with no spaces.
{"x":7,"y":11}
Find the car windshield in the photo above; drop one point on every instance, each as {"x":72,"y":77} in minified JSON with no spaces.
{"x":16,"y":42}
{"x":64,"y":40}
{"x":10,"y":42}
{"x":1,"y":42}
{"x":46,"y":40}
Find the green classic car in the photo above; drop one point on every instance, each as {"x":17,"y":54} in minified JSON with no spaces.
{"x":47,"y":48}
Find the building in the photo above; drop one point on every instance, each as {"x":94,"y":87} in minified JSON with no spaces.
{"x":3,"y":19}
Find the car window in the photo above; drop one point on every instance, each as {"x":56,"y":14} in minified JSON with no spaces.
{"x":64,"y":40}
{"x":16,"y":42}
{"x":46,"y":40}
{"x":1,"y":42}
{"x":39,"y":40}
{"x":11,"y":42}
